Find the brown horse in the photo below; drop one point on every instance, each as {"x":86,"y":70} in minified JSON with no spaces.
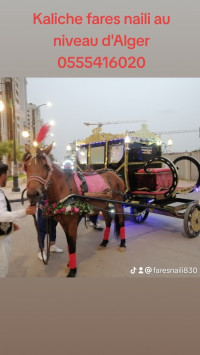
{"x":42,"y":175}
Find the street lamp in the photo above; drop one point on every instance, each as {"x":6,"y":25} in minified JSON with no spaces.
{"x":170,"y":144}
{"x":15,"y":166}
{"x":52,"y":123}
{"x":25,"y":134}
{"x":68,"y":148}
{"x":49,"y":104}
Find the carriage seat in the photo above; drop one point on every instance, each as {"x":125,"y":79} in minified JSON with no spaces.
{"x":156,"y":181}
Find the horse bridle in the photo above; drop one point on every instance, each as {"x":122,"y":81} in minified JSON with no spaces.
{"x":44,"y":182}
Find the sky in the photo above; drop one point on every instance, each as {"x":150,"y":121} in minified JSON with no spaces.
{"x":167,"y":104}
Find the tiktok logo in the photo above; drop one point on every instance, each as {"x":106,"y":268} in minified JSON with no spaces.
{"x":133,"y":270}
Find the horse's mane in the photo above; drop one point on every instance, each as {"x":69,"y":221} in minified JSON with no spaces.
{"x":38,"y":155}
{"x":25,"y":156}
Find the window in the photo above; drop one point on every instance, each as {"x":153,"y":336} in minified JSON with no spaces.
{"x":82,"y":155}
{"x":115,"y":153}
{"x":97,"y":155}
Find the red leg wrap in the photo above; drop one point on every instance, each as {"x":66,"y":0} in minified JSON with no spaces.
{"x":106,"y":233}
{"x":72,"y":261}
{"x":122,"y":233}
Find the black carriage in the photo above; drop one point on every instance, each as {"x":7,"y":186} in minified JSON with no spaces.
{"x":151,"y":180}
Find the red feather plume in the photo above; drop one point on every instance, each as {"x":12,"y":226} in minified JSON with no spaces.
{"x":43,"y":132}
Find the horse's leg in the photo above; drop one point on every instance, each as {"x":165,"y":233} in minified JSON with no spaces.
{"x":119,"y":226}
{"x":71,"y":240}
{"x":108,"y":221}
{"x":70,"y":226}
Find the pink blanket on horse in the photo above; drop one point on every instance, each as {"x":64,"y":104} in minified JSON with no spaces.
{"x":95,"y":183}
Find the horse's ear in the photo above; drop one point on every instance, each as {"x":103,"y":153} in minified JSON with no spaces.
{"x":48,"y":149}
{"x":27,"y":148}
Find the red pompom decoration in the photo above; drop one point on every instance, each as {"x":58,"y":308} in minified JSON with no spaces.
{"x":43,"y":132}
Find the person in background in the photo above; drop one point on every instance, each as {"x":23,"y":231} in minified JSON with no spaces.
{"x":93,"y":218}
{"x":8,"y":220}
{"x":43,"y":226}
{"x":93,"y":222}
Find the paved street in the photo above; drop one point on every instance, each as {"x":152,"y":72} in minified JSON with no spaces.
{"x":159,"y":242}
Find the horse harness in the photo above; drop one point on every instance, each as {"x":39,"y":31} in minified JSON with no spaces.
{"x":84,"y":185}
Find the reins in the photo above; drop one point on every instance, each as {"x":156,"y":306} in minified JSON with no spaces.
{"x":47,"y":236}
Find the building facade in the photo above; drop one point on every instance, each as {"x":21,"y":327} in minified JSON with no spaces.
{"x":13,"y":116}
{"x":16,"y":115}
{"x":33,"y":121}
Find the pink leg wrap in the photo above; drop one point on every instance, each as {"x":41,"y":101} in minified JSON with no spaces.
{"x":122,"y":233}
{"x":106,"y":233}
{"x":72,"y":261}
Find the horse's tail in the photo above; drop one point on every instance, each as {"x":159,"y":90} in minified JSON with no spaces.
{"x":117,"y":226}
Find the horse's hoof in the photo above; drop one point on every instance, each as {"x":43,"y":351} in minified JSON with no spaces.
{"x":67,"y":268}
{"x":122,"y":249}
{"x":72,"y":273}
{"x":103,"y":245}
{"x":122,"y":246}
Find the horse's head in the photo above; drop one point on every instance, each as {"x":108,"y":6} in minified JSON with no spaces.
{"x":38,"y":169}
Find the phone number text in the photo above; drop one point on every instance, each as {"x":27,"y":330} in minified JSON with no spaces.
{"x":101,"y":62}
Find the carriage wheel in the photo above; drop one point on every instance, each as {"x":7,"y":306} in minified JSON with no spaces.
{"x":196,"y":163}
{"x":192,"y":220}
{"x":139,"y":214}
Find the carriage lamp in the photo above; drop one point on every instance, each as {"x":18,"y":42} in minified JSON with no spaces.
{"x":159,"y":142}
{"x":127,"y":141}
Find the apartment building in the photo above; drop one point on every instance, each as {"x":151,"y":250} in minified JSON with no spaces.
{"x":13,"y":116}
{"x":33,"y":121}
{"x":17,"y":115}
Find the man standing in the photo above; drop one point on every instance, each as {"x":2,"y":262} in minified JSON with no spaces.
{"x":7,"y":222}
{"x":43,"y":226}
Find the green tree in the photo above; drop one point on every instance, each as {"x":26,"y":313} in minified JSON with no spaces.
{"x":3,"y":150}
{"x":7,"y":149}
